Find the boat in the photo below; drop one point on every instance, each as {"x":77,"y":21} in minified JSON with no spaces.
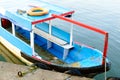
{"x":113,"y":78}
{"x":68,"y":56}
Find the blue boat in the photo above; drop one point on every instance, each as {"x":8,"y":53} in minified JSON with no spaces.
{"x":36,"y":26}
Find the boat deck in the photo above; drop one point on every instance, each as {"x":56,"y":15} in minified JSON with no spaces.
{"x":42,"y":52}
{"x":10,"y":10}
{"x":84,"y":55}
{"x":78,"y":51}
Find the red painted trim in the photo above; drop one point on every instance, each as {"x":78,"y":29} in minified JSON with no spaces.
{"x":91,"y":28}
{"x":41,"y":60}
{"x":83,"y":45}
{"x":80,"y":24}
{"x":105,"y":48}
{"x":46,"y":19}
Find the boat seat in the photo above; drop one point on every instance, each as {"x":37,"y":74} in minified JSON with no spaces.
{"x":55,"y":40}
{"x":50,"y":37}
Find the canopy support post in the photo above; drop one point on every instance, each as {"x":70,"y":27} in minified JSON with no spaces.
{"x":65,"y":53}
{"x":71,"y":35}
{"x":49,"y":43}
{"x":50,"y":27}
{"x":105,"y":49}
{"x":0,"y":21}
{"x":13,"y":29}
{"x":32,"y":40}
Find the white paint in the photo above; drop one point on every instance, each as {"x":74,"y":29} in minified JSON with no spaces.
{"x":71,"y":35}
{"x":50,"y":27}
{"x":65,"y":53}
{"x":13,"y":29}
{"x":32,"y":40}
{"x":0,"y":22}
{"x":49,"y":44}
{"x":49,"y":37}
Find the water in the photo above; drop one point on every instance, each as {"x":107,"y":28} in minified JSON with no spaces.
{"x":103,"y":14}
{"x":7,"y":56}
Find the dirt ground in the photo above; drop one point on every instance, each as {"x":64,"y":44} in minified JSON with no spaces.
{"x":9,"y":71}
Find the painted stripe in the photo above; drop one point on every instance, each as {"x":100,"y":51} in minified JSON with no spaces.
{"x":14,"y":50}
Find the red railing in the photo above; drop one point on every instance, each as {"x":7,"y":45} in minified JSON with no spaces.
{"x":91,"y":28}
{"x":50,"y":18}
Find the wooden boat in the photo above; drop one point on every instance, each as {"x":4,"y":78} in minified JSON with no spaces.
{"x":113,"y":78}
{"x":69,"y":56}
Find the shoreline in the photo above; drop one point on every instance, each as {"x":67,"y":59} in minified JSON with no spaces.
{"x":9,"y":71}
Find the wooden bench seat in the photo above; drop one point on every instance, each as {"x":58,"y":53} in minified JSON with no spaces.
{"x":50,"y":37}
{"x":55,"y":40}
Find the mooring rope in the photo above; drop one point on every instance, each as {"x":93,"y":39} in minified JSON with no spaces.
{"x":105,"y":71}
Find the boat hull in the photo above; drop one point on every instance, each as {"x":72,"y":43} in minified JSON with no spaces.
{"x":81,"y":71}
{"x":87,"y":72}
{"x":77,"y":58}
{"x":17,"y":43}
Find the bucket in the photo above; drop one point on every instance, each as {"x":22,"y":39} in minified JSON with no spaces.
{"x":5,"y":23}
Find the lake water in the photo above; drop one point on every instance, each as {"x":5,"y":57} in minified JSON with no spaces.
{"x":103,"y":14}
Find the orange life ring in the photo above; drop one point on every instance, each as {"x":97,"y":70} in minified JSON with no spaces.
{"x":37,"y":11}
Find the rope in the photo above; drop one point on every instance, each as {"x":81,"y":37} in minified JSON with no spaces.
{"x":105,"y":71}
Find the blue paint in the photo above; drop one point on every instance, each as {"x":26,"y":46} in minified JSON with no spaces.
{"x":23,"y":20}
{"x":55,"y":31}
{"x":15,"y":41}
{"x":86,"y":56}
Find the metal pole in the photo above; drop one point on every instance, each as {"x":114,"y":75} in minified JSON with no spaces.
{"x":0,"y":21}
{"x":32,"y":40}
{"x":105,"y":48}
{"x":105,"y":70}
{"x":49,"y":44}
{"x":50,"y":27}
{"x":80,"y":24}
{"x":71,"y":34}
{"x":13,"y":29}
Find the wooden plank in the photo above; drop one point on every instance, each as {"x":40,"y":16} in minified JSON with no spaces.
{"x":49,"y":37}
